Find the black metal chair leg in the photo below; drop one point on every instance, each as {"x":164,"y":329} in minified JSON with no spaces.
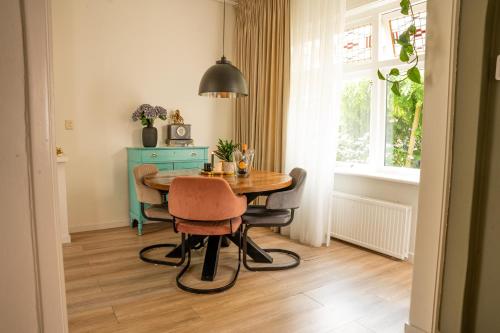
{"x":142,"y":253}
{"x":212,"y":290}
{"x":291,"y":254}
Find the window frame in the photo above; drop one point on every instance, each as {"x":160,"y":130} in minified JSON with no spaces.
{"x":375,"y":166}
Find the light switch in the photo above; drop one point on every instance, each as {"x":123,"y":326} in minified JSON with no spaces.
{"x":68,"y":124}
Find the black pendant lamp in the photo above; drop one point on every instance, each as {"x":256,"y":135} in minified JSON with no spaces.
{"x":223,"y":80}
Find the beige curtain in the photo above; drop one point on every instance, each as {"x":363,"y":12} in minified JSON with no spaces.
{"x":263,"y":55}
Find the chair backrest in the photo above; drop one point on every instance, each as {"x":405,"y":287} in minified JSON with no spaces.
{"x":204,"y":199}
{"x":146,"y":194}
{"x":292,"y":196}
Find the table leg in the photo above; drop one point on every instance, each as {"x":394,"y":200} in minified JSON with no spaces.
{"x":212,"y":252}
{"x":252,"y":196}
{"x":225,"y":242}
{"x":211,"y":258}
{"x":253,"y":250}
{"x":192,"y":242}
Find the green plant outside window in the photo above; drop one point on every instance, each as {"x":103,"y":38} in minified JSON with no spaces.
{"x":403,"y":139}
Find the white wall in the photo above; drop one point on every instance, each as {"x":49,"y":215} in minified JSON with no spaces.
{"x":406,"y":194}
{"x":109,"y":57}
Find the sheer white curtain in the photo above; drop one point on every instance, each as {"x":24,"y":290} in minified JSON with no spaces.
{"x":316,"y":42}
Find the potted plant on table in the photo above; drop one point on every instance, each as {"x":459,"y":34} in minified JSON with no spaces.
{"x":147,"y":115}
{"x":224,"y":152}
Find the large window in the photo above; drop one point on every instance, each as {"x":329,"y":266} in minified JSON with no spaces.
{"x":378,"y":130}
{"x":354,"y":121}
{"x":358,"y":44}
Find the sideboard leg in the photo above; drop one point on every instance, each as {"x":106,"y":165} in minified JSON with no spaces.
{"x":139,"y":228}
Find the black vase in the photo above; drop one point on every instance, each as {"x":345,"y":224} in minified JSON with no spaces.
{"x":149,"y":136}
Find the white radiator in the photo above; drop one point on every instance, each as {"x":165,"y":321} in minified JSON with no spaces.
{"x":377,"y":225}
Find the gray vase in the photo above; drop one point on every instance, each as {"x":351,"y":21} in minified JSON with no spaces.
{"x":149,"y":136}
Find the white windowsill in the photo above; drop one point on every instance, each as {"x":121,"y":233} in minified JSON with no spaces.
{"x":411,"y":177}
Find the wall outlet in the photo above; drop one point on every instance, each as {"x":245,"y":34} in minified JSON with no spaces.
{"x":68,"y":124}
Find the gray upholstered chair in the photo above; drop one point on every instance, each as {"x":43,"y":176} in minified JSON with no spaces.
{"x":153,"y":208}
{"x":278,"y":212}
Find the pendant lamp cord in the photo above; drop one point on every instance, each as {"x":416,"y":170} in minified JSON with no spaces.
{"x":224,"y":29}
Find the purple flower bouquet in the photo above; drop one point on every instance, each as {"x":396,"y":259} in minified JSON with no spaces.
{"x":147,"y":114}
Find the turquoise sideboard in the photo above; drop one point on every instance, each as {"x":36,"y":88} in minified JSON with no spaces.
{"x":165,"y":158}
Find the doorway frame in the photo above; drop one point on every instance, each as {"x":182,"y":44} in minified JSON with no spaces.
{"x":47,"y":245}
{"x":442,"y":36}
{"x":435,"y":174}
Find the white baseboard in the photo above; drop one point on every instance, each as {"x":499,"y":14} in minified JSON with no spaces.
{"x":66,"y":239}
{"x":412,"y":329}
{"x":100,"y":226}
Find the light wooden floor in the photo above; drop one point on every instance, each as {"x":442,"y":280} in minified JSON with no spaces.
{"x":336,"y":289}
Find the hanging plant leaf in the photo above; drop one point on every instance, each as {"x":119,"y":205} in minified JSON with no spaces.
{"x":404,"y":39}
{"x":412,"y":30}
{"x":414,"y":75}
{"x":405,"y":7}
{"x":403,"y":55}
{"x":394,"y":72}
{"x":380,"y":75}
{"x":395,"y":88}
{"x":409,"y":49}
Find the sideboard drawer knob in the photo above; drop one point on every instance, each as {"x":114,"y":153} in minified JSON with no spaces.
{"x":154,"y":155}
{"x":194,"y":154}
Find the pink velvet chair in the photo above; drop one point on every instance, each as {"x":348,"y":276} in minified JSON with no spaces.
{"x":205,"y":206}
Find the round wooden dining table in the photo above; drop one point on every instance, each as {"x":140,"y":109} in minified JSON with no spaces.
{"x":256,"y":183}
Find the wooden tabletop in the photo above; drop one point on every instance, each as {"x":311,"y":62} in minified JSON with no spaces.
{"x":257,"y":181}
